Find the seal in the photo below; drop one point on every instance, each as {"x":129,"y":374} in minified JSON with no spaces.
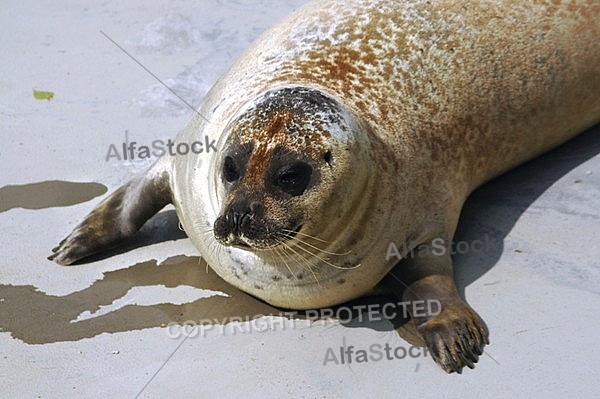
{"x":354,"y":124}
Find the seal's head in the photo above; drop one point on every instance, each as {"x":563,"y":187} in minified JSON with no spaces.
{"x":292,"y":158}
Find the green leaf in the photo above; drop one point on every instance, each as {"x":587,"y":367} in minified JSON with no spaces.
{"x":42,"y":95}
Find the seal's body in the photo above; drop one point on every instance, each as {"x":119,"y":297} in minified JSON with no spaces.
{"x":353,"y":124}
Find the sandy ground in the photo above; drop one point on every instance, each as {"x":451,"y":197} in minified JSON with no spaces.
{"x":112,"y":328}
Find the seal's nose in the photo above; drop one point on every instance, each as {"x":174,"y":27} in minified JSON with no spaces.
{"x":239,"y":218}
{"x":241,"y":214}
{"x":236,"y":220}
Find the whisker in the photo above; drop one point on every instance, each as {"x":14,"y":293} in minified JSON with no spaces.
{"x":279,"y":251}
{"x":320,"y":249}
{"x":307,"y":263}
{"x":306,"y":235}
{"x":323,"y":260}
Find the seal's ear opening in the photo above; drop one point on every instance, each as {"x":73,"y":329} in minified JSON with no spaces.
{"x":327,"y":158}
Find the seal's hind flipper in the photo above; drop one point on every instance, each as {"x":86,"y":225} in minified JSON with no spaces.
{"x":118,"y":216}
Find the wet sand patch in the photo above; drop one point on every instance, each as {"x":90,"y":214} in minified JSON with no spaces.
{"x":48,"y":194}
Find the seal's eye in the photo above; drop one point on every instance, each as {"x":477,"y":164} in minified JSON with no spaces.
{"x":230,"y":170}
{"x":294,"y":178}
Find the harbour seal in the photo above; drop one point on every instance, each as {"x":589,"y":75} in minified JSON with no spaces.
{"x":354,"y":124}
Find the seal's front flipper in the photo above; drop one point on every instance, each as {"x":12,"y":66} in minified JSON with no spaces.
{"x":455,"y":335}
{"x":118,"y":216}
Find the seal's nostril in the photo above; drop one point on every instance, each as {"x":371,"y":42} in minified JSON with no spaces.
{"x":256,"y":208}
{"x":237,"y":218}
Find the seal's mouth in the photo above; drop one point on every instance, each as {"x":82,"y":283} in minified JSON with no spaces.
{"x":239,"y":243}
{"x":271,"y":241}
